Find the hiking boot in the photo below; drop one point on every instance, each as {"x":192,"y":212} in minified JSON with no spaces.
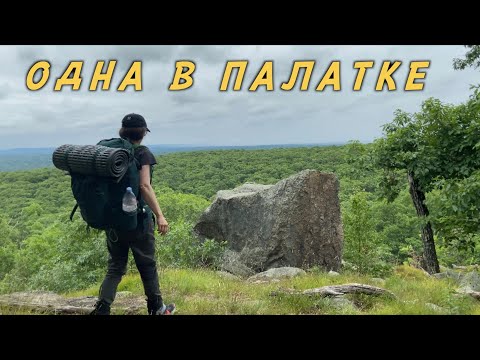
{"x":101,"y":308}
{"x":156,"y":306}
{"x":166,"y":310}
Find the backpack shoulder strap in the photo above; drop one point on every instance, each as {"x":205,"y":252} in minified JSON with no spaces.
{"x":138,"y":146}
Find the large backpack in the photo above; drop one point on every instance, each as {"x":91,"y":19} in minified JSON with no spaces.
{"x":100,"y":198}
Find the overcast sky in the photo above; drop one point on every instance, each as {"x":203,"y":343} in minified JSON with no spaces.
{"x":203,"y":115}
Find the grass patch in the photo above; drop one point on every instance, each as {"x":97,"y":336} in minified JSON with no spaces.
{"x":203,"y":291}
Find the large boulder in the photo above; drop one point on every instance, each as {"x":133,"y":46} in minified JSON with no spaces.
{"x":296,"y":222}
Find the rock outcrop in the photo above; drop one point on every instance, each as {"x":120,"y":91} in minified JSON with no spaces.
{"x":51,"y":303}
{"x":294,"y":223}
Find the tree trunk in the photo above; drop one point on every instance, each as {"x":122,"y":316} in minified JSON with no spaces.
{"x":429,"y":253}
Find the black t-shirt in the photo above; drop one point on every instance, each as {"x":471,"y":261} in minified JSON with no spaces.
{"x":145,"y":156}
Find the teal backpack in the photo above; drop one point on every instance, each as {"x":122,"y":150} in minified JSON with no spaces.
{"x":100,"y":198}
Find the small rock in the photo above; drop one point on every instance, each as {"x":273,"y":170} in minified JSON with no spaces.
{"x":469,"y":291}
{"x":333,"y":273}
{"x":449,"y":274}
{"x":277,"y":273}
{"x":471,"y":281}
{"x":34,"y":297}
{"x":51,"y":303}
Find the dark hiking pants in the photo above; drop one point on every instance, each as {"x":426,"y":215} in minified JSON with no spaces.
{"x":142,"y":243}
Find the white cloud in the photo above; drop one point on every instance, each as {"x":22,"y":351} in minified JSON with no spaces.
{"x":205,"y":115}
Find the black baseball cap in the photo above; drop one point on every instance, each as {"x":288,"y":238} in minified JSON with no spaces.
{"x":134,"y":121}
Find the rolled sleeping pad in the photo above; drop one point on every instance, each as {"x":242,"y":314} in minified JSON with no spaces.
{"x":94,"y":160}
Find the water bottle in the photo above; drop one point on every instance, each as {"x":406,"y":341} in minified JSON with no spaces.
{"x":129,"y":202}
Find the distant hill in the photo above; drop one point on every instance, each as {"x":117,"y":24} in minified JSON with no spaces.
{"x":32,"y":158}
{"x":163,"y":149}
{"x":27,"y":151}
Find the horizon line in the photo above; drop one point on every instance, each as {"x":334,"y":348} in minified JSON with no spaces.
{"x":205,"y":145}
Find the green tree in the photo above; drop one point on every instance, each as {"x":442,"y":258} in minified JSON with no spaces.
{"x":8,"y":246}
{"x":456,"y":204}
{"x":439,"y":142}
{"x":363,"y":248}
{"x":398,"y":226}
{"x":472,"y":58}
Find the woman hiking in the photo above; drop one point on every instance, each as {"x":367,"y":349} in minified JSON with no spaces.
{"x":140,"y":240}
